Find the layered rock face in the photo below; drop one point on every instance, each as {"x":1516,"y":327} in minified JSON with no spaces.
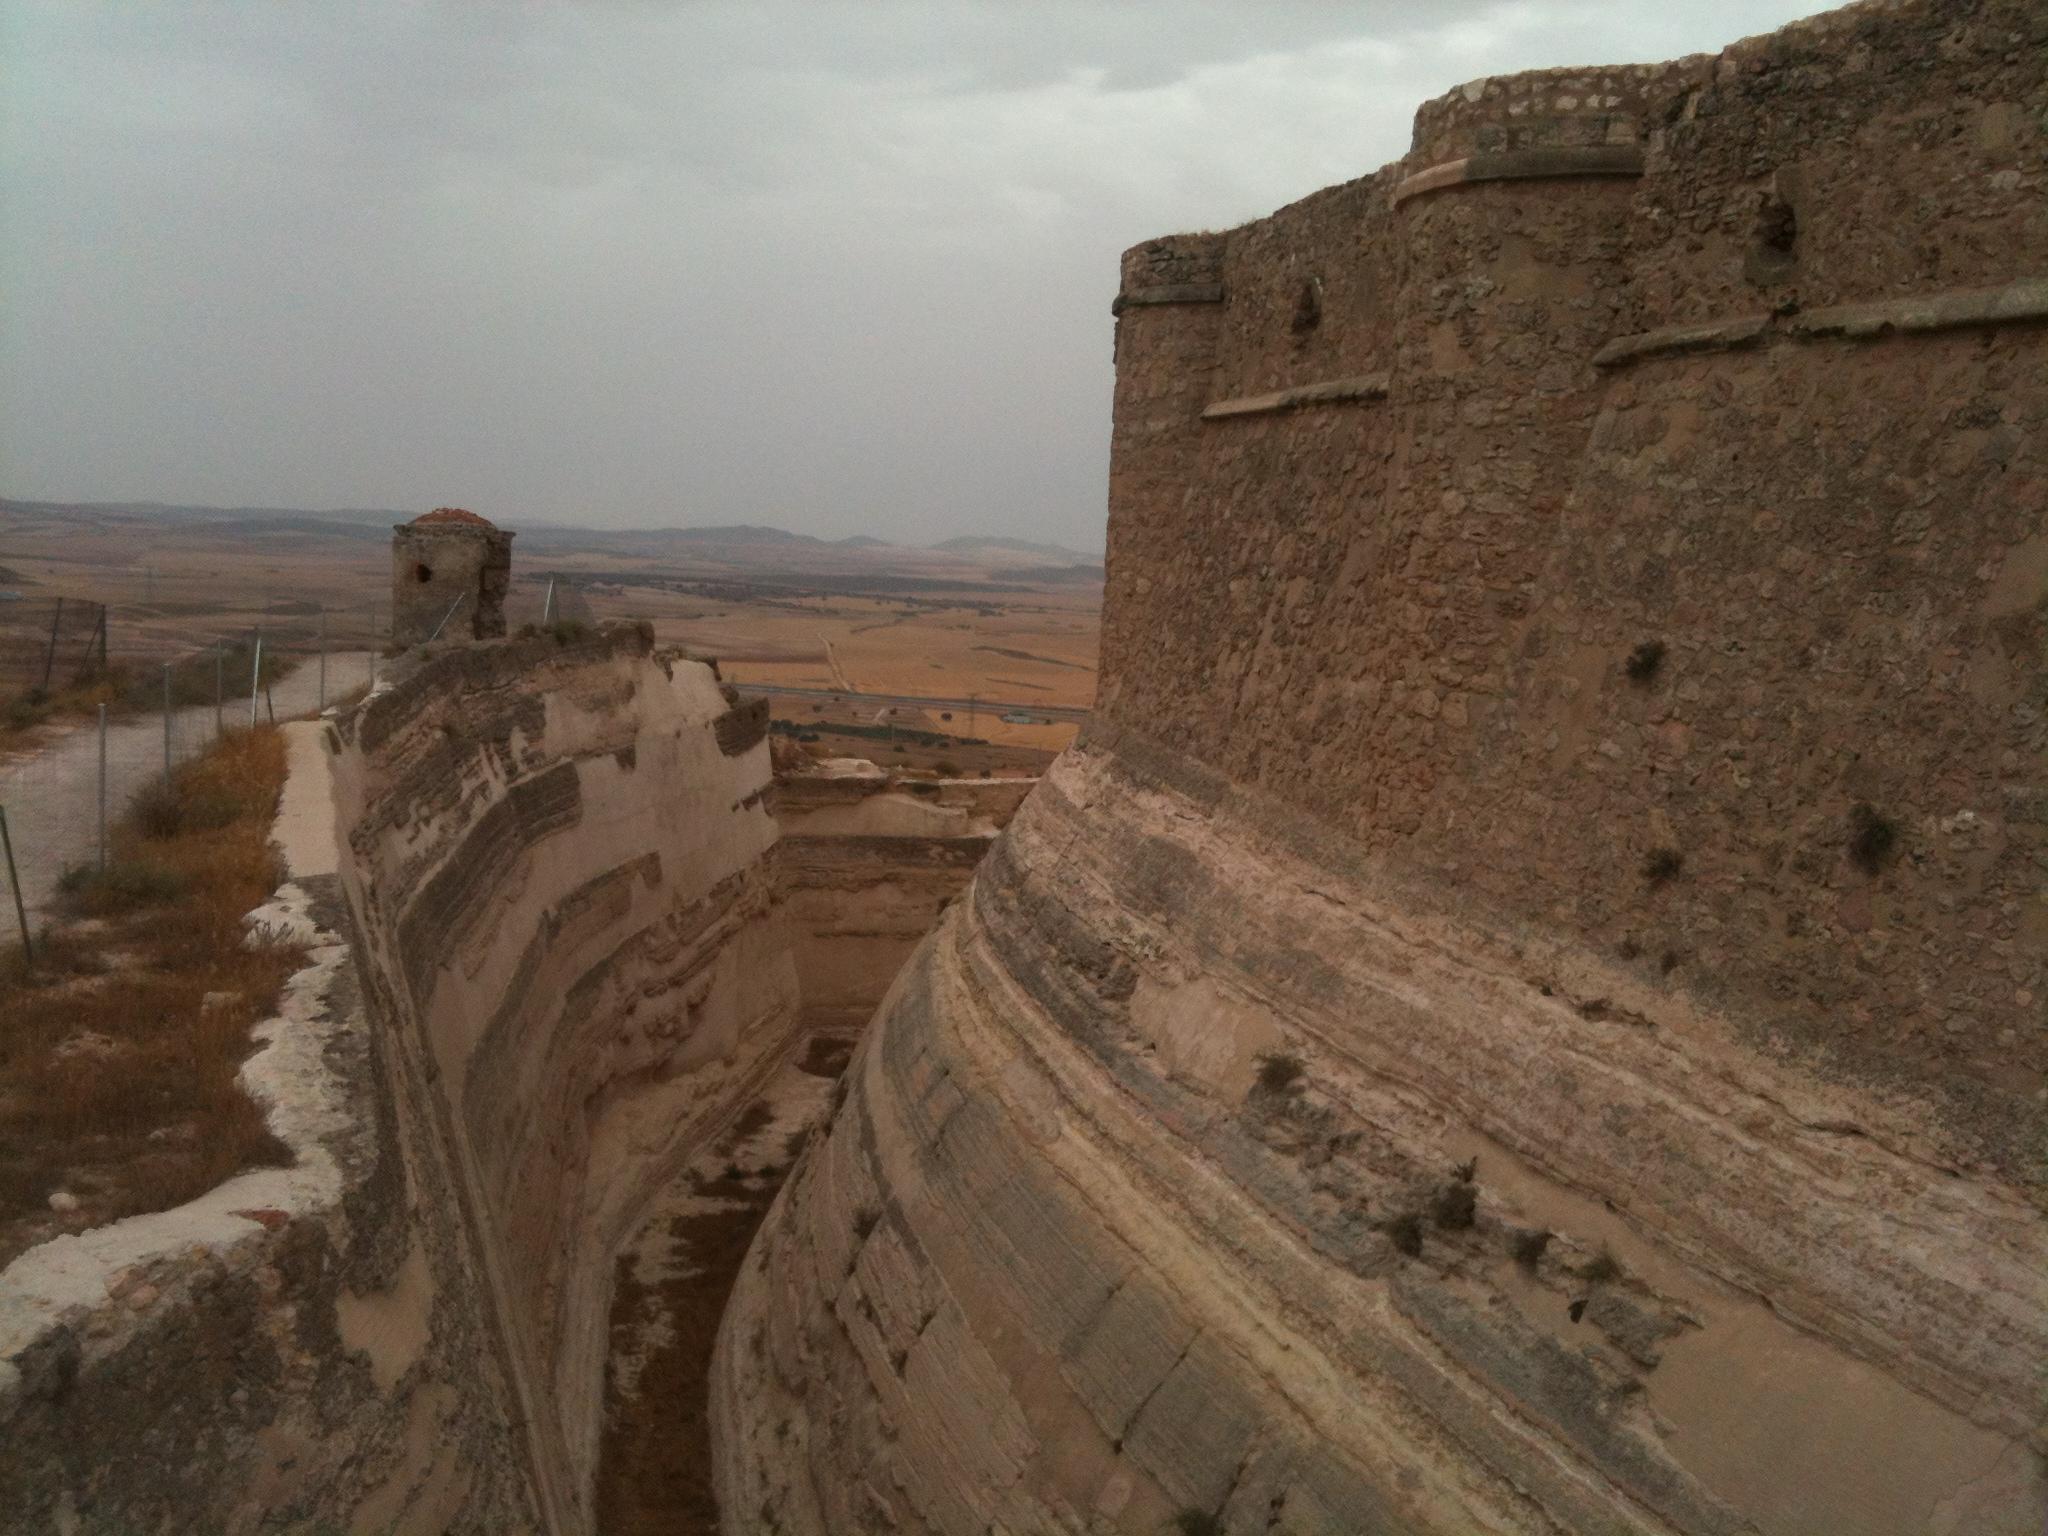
{"x":865,"y":864}
{"x":555,"y":862}
{"x":1524,"y":1011}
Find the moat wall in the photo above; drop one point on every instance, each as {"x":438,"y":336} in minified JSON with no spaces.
{"x":866,"y":864}
{"x":556,"y":1001}
{"x":555,"y":859}
{"x":1407,"y":1068}
{"x":302,"y":1348}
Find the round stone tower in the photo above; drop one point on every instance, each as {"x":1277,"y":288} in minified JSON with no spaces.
{"x":449,"y":573}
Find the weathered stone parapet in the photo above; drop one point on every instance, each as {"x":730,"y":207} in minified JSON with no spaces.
{"x":1556,"y":164}
{"x":1549,"y":109}
{"x":1173,"y":262}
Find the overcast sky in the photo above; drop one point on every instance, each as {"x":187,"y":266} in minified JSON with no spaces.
{"x":843,"y":267}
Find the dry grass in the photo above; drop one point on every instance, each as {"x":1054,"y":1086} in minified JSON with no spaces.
{"x":117,"y":1081}
{"x":128,"y":689}
{"x":22,"y":717}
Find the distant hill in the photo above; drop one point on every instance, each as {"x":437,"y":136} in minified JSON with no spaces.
{"x":748,"y":547}
{"x":161,"y":511}
{"x":732,"y":533}
{"x":979,"y":544}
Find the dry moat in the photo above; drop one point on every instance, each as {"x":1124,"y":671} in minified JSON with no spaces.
{"x":1522,"y":1010}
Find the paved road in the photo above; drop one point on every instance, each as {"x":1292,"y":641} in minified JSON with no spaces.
{"x":986,"y":706}
{"x":52,"y":796}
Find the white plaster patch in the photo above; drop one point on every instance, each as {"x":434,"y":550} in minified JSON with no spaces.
{"x":60,"y":1281}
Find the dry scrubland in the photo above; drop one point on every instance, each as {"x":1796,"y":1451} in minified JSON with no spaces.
{"x":119,"y":1046}
{"x":127,"y":689}
{"x":1003,"y":625}
{"x":1015,"y":649}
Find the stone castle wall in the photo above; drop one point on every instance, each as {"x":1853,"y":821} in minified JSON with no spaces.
{"x":1405,"y":1068}
{"x":865,"y":865}
{"x":1419,"y":607}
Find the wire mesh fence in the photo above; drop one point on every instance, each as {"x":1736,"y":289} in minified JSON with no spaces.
{"x":75,"y":753}
{"x":97,"y":700}
{"x":49,"y":643}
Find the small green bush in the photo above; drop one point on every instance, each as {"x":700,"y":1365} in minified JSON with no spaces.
{"x":29,"y":710}
{"x":1662,"y":865}
{"x":122,"y":886}
{"x":1195,"y":1522}
{"x":1280,"y":1073}
{"x":1527,"y":1246}
{"x":1404,"y":1231}
{"x":162,"y":810}
{"x":1453,"y":1206}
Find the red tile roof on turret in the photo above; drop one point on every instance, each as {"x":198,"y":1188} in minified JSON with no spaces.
{"x":441,"y":516}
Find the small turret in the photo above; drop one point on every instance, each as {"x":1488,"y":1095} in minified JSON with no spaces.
{"x":450,"y":570}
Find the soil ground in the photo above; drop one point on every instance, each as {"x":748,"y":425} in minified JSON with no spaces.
{"x":654,"y":1461}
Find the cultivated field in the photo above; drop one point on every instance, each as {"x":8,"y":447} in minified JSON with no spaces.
{"x":871,"y":628}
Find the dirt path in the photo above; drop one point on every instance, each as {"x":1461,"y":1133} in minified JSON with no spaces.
{"x":832,"y":661}
{"x":52,"y":796}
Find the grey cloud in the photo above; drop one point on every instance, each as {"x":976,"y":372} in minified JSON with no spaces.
{"x":840,"y":266}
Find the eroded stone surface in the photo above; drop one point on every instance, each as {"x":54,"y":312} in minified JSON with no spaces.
{"x":1664,"y":1149}
{"x":557,"y":860}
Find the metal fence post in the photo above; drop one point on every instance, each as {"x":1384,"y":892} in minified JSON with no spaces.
{"x":50,"y":656}
{"x":323,"y":658}
{"x":255,"y":675}
{"x":28,"y":957}
{"x":446,"y":617}
{"x":103,"y":789}
{"x":219,"y":692}
{"x":167,"y":722}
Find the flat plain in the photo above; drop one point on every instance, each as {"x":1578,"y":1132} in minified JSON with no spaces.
{"x":866,"y":646}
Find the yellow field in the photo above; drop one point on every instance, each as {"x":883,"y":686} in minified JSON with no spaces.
{"x":990,"y":632}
